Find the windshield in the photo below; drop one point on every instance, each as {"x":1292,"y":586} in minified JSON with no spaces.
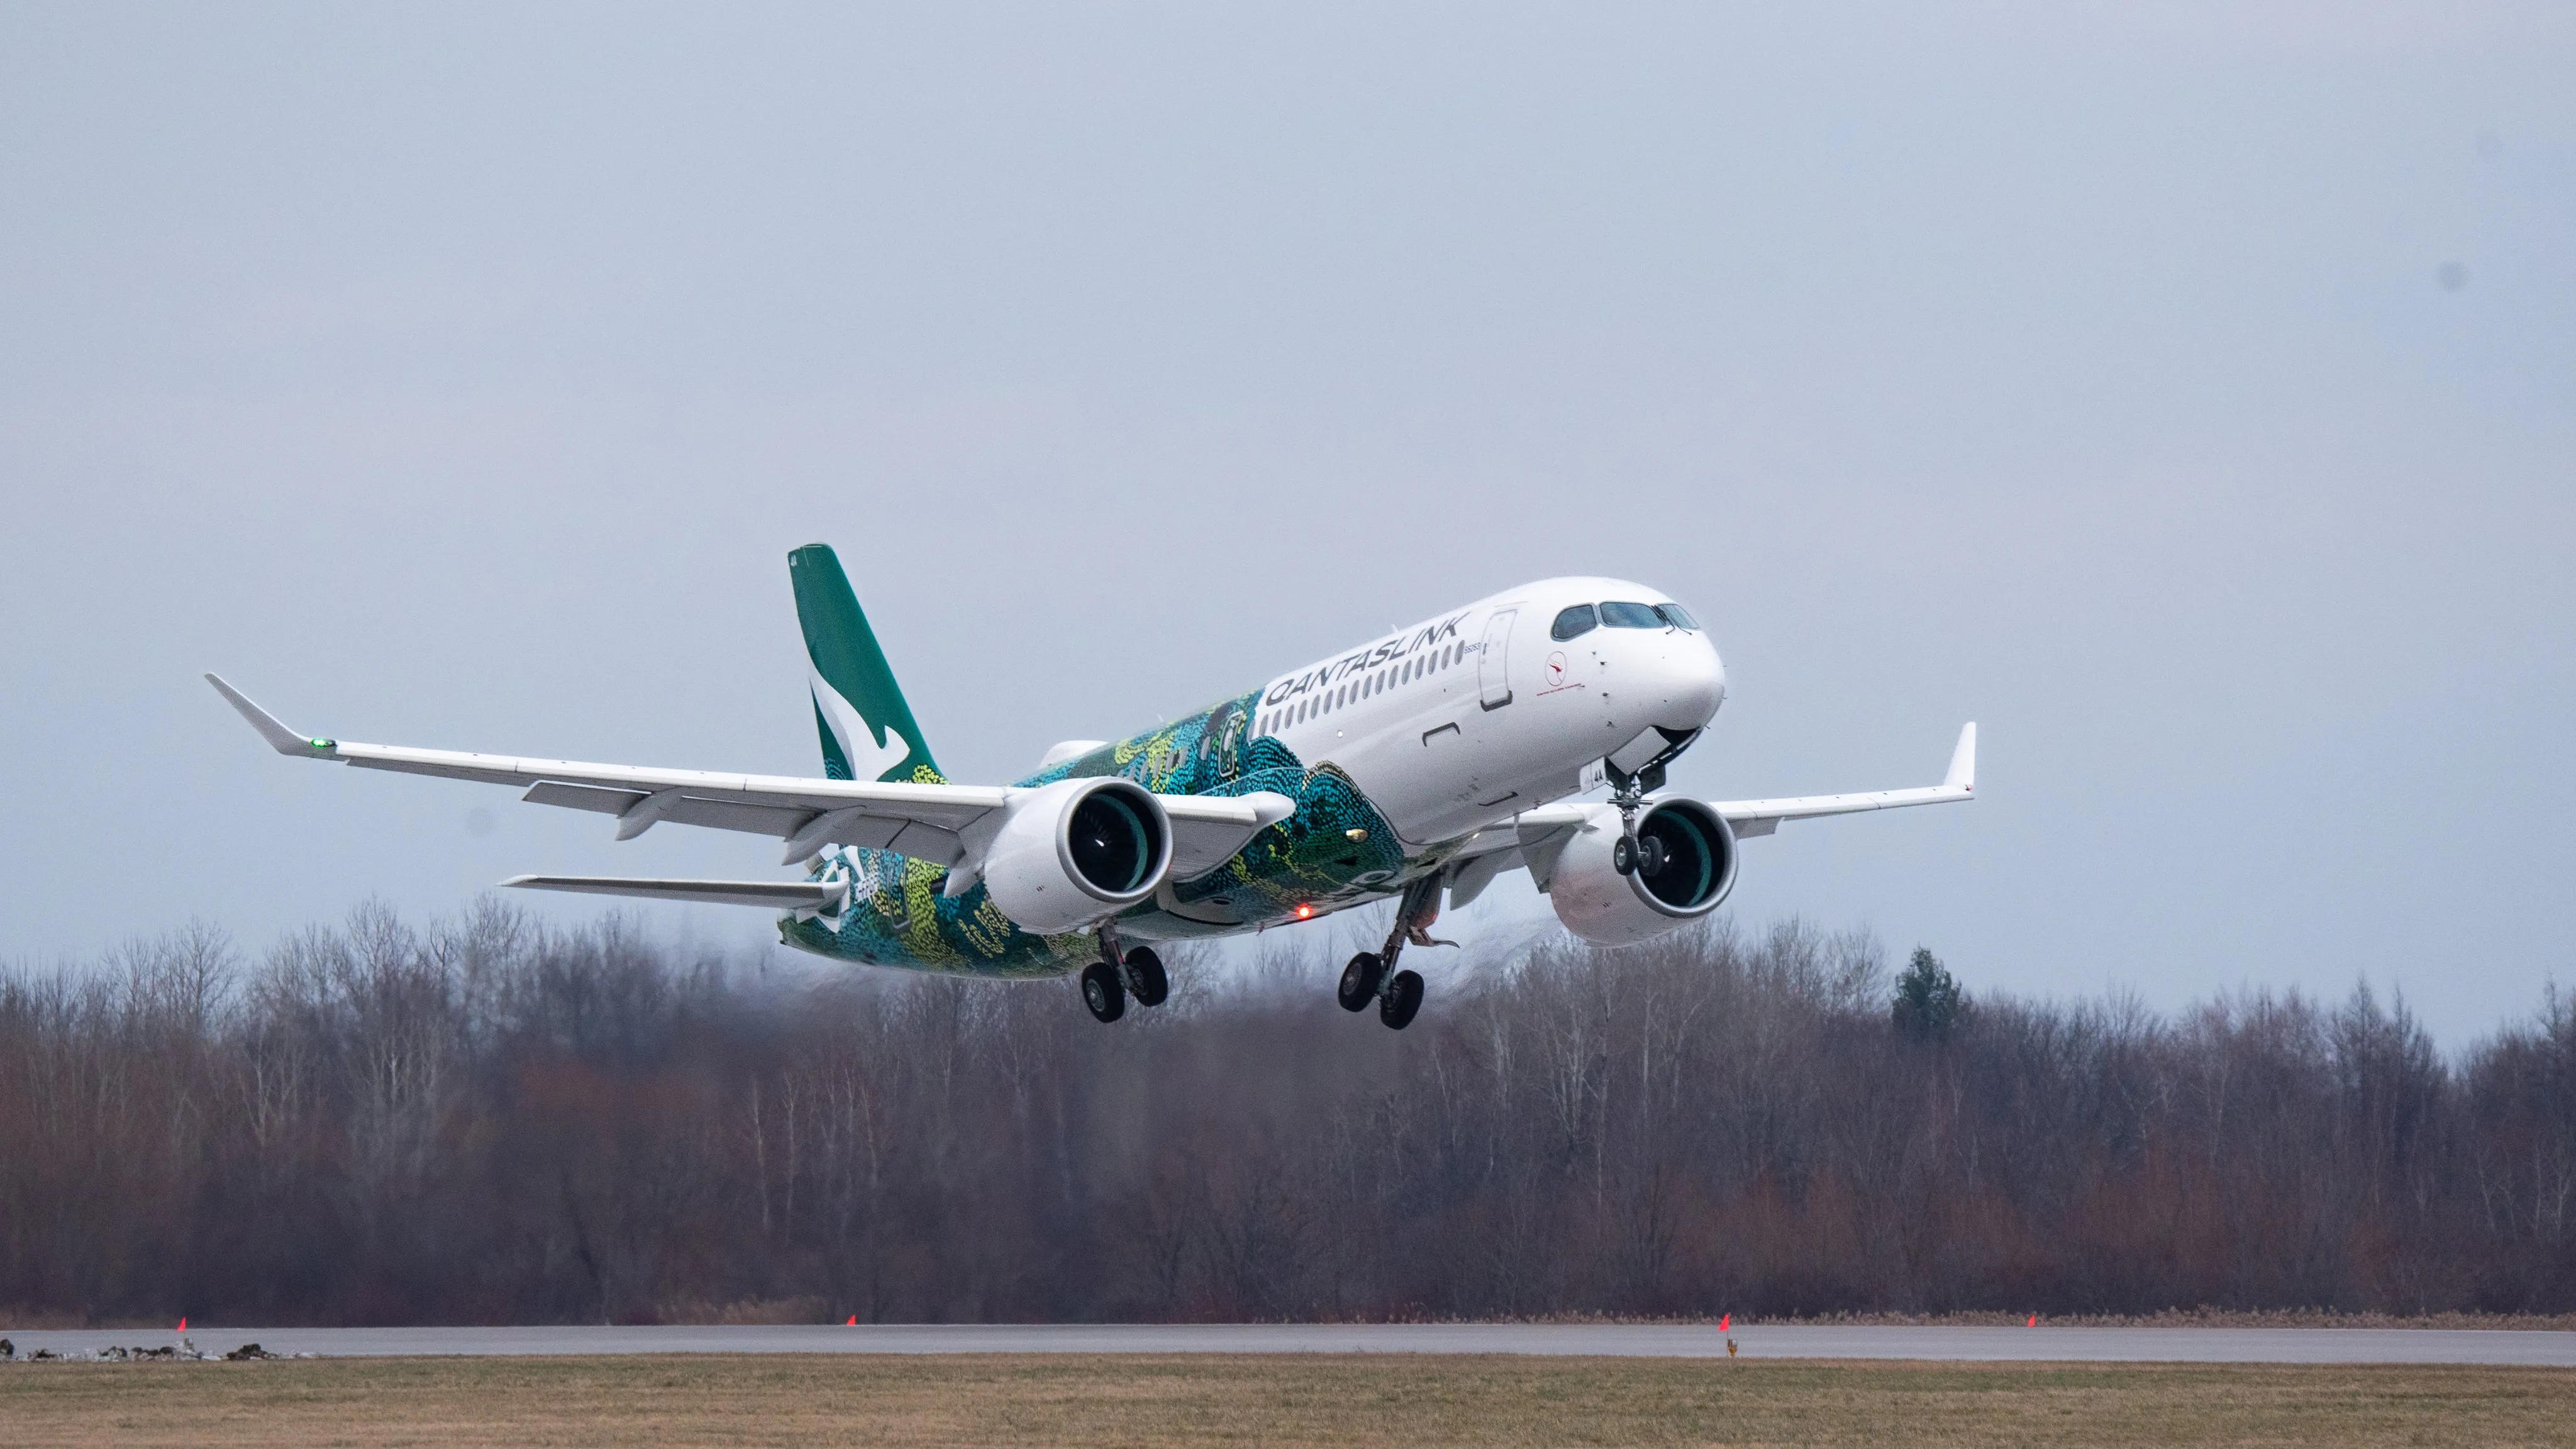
{"x":1631,"y":616}
{"x":1676,"y":615}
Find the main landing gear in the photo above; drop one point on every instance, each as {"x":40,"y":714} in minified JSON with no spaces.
{"x":1370,"y":975}
{"x":1117,"y":975}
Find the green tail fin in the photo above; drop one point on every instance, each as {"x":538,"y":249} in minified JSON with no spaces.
{"x":868,"y":733}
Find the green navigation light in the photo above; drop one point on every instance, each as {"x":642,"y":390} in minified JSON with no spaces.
{"x":321,"y":744}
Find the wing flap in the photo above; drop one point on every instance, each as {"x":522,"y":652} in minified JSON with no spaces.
{"x":751,"y":819}
{"x":584,"y":797}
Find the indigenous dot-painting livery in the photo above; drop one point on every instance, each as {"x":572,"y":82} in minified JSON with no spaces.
{"x":1529,"y":730}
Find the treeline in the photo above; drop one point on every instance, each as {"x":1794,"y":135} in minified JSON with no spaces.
{"x":488,"y":1120}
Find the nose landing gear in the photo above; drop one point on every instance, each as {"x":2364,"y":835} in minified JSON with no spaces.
{"x":1370,"y":977}
{"x":1634,"y":855}
{"x":1628,"y":791}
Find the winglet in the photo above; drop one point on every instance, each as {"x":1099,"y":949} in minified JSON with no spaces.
{"x":1963,"y":760}
{"x":281,"y":739}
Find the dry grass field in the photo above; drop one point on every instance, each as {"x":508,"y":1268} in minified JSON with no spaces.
{"x":1267,"y":1400}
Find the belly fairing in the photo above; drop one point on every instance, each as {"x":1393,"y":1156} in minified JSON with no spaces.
{"x":897,"y":916}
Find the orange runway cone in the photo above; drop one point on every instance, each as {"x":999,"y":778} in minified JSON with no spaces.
{"x":853,"y":1323}
{"x":2034,"y":1321}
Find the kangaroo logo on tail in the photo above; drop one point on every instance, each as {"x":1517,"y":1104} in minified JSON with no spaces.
{"x":851,"y":750}
{"x":867,"y":730}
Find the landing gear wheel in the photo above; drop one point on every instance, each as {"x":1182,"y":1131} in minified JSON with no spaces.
{"x":1403,"y":998}
{"x":1360,"y":981}
{"x":1102,"y":993}
{"x":1623,"y":855}
{"x":1146,"y":982}
{"x":1650,"y":856}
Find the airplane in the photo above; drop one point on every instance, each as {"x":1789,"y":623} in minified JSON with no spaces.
{"x":1420,"y":765}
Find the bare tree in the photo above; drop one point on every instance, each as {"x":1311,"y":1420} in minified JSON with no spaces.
{"x":487,"y":1119}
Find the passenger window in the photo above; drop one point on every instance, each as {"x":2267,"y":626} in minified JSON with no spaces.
{"x":1677,"y":616}
{"x":1631,"y":616}
{"x":1574,"y":623}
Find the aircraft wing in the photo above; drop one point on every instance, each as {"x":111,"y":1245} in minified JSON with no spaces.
{"x":1536,"y":834}
{"x":1760,"y":817}
{"x":927,"y":822}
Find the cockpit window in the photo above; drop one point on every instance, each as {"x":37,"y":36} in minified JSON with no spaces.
{"x":1677,"y":616}
{"x":1631,"y":616}
{"x":1574,"y":623}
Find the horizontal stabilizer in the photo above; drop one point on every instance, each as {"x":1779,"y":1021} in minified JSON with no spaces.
{"x":777,"y":895}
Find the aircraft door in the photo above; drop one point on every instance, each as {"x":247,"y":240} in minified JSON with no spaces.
{"x":1494,"y":660}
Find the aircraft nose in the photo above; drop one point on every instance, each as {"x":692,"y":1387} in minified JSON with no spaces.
{"x":1687,"y":680}
{"x":1699,"y":684}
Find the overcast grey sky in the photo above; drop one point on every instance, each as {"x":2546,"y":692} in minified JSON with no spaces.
{"x":2186,"y":393}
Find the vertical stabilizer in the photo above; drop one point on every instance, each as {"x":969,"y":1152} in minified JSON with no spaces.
{"x":868,"y":733}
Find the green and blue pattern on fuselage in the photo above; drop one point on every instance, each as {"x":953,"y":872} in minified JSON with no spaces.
{"x":1334,"y":849}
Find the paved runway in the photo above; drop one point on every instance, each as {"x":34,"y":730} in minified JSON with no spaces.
{"x":2090,"y":1345}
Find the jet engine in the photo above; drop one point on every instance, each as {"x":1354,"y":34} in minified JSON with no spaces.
{"x":1684,"y":866}
{"x":1076,"y":852}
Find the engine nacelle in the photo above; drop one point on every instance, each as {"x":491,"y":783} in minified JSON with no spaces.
{"x":1694,"y":855}
{"x":1076,"y":852}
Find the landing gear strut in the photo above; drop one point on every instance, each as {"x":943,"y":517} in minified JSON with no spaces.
{"x":1117,"y":975}
{"x":1628,"y":791}
{"x":1371,"y":977}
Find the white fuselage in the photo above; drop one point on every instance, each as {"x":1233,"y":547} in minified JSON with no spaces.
{"x":1480,"y":713}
